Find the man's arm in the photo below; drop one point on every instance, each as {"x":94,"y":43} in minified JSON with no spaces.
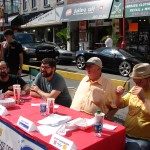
{"x":25,"y":90}
{"x":20,"y":63}
{"x":35,"y":91}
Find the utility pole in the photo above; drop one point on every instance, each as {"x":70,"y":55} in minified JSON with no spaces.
{"x":123,"y":44}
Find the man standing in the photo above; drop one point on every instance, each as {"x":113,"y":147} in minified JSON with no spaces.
{"x":50,"y":84}
{"x":137,"y":122}
{"x":108,"y":42}
{"x":7,"y":81}
{"x":95,"y":91}
{"x":12,"y":53}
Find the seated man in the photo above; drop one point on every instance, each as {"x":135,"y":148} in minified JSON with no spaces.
{"x":137,"y":122}
{"x":7,"y":81}
{"x":50,"y":84}
{"x":95,"y":91}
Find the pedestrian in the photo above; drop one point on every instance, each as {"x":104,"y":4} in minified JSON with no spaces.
{"x":137,"y":122}
{"x":50,"y":84}
{"x":8,"y":80}
{"x":12,"y":53}
{"x":95,"y":91}
{"x":108,"y":41}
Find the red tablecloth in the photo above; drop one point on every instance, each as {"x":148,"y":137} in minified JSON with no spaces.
{"x":85,"y":140}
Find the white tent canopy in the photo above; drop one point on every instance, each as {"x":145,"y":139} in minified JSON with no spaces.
{"x":49,"y":18}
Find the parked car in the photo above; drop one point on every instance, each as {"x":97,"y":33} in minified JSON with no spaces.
{"x":141,"y":49}
{"x":65,"y":55}
{"x":35,"y":51}
{"x":114,"y":59}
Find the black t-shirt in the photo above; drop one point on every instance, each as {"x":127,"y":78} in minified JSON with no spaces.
{"x":11,"y":54}
{"x":8,"y":85}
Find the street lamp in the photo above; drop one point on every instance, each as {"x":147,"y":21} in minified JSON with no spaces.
{"x":123,"y":44}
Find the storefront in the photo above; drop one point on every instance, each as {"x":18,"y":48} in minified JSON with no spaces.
{"x":88,"y":21}
{"x":137,"y":23}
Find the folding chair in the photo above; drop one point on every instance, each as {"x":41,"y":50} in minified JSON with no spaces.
{"x":72,"y":91}
{"x":32,"y":74}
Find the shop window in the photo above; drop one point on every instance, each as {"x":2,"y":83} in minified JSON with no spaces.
{"x":24,"y":5}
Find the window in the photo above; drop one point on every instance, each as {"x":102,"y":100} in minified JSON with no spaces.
{"x":24,"y":4}
{"x":33,"y":3}
{"x":60,"y":1}
{"x":46,"y":2}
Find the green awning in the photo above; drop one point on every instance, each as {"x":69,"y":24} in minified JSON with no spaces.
{"x":134,"y":8}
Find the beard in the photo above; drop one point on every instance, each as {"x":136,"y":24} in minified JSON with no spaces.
{"x":3,"y":74}
{"x":45,"y":74}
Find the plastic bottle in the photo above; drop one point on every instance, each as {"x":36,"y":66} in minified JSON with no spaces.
{"x":2,"y":97}
{"x":98,"y":124}
{"x":43,"y":107}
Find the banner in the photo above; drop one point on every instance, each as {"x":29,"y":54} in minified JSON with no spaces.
{"x":11,"y":139}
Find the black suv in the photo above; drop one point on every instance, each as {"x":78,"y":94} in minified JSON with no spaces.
{"x":34,"y":51}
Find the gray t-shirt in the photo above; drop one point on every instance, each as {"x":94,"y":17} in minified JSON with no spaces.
{"x":56,"y":83}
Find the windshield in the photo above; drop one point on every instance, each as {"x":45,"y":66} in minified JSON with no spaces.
{"x":24,"y":38}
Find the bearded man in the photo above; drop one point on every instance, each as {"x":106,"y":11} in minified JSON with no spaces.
{"x":49,"y":84}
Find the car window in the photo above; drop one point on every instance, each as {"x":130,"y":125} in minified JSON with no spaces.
{"x":107,"y":51}
{"x":24,"y":38}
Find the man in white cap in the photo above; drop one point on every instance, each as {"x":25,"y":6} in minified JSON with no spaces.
{"x":95,"y":91}
{"x":138,"y":99}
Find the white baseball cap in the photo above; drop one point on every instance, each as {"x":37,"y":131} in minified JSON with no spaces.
{"x":95,"y":60}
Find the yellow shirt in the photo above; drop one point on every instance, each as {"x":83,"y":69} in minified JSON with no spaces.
{"x":91,"y":96}
{"x":138,"y":119}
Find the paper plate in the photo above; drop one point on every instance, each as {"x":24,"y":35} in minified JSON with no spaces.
{"x":8,"y":102}
{"x":84,"y":123}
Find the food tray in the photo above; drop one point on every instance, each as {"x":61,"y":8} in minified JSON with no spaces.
{"x":8,"y":102}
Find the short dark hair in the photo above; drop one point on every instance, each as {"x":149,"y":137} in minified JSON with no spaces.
{"x":8,"y":32}
{"x":50,"y":61}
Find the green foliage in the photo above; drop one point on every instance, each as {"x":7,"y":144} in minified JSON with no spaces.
{"x":62,"y":35}
{"x":115,"y":39}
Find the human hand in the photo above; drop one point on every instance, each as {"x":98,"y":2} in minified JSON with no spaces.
{"x":8,"y":93}
{"x":19,"y":72}
{"x":139,"y":92}
{"x":120,"y":90}
{"x":34,"y":88}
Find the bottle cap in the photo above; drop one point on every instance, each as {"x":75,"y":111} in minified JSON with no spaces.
{"x":98,"y":111}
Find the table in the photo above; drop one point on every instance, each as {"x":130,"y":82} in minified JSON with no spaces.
{"x":84,"y":140}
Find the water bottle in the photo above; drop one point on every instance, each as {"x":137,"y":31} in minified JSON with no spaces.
{"x":98,"y":124}
{"x":43,"y":107}
{"x":2,"y":97}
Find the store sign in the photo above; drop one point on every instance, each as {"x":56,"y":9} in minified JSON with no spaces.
{"x":87,"y":11}
{"x":134,"y":8}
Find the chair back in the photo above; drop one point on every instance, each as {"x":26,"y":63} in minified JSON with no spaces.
{"x":72,"y":91}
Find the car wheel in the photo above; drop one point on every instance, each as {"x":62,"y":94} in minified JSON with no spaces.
{"x":80,"y":62}
{"x":125,"y":68}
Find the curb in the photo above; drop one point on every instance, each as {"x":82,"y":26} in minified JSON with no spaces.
{"x":78,"y":76}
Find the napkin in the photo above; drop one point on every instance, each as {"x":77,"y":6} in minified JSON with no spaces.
{"x":54,"y":120}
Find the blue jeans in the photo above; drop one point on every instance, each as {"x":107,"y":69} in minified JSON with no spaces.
{"x":137,"y":144}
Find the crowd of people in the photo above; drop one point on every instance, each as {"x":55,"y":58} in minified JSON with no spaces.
{"x":95,"y":91}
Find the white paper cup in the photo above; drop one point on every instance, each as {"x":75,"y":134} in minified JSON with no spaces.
{"x":17,"y":91}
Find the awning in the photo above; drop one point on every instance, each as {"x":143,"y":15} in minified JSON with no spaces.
{"x":9,"y":21}
{"x":50,"y":18}
{"x":137,"y":8}
{"x":87,"y":11}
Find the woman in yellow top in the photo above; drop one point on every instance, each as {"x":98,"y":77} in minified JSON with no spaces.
{"x":138,"y":99}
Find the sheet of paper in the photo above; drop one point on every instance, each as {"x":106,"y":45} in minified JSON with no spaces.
{"x":46,"y":130}
{"x":54,"y":120}
{"x":109,"y":127}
